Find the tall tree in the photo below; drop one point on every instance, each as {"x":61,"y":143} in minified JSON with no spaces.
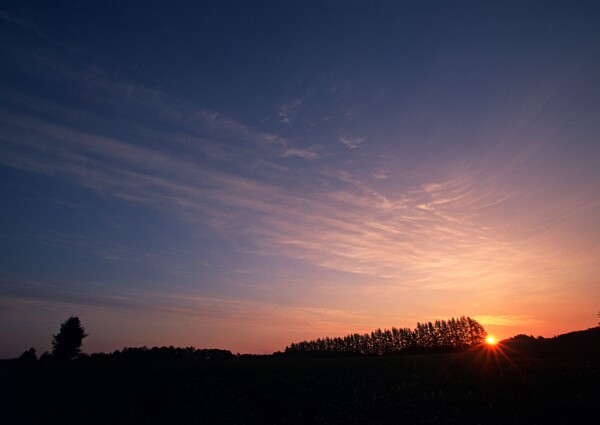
{"x":66,"y":344}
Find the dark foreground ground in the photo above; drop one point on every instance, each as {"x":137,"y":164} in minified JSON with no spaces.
{"x":467,"y":388}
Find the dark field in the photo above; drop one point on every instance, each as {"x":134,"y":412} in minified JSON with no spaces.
{"x":466,"y":388}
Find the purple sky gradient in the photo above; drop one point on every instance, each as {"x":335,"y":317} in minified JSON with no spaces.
{"x":245,"y":175}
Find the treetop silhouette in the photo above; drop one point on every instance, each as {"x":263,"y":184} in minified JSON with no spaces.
{"x":66,"y":344}
{"x":28,"y":355}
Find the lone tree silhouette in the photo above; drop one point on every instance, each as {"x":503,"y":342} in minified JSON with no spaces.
{"x":66,"y":344}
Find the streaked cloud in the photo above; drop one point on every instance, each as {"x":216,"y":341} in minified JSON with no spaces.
{"x":352,"y":142}
{"x":287,"y":111}
{"x":513,"y":321}
{"x":302,"y":153}
{"x":430,"y":235}
{"x":206,"y":317}
{"x":348,"y":194}
{"x":21,"y":22}
{"x":380,"y":175}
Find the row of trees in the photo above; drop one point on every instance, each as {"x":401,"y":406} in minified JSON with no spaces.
{"x":442,"y":335}
{"x":166,"y":354}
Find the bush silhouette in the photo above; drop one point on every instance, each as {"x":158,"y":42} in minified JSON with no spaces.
{"x":66,"y":344}
{"x":28,"y":355}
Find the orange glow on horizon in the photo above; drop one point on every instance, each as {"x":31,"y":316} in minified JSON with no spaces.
{"x":490,"y":340}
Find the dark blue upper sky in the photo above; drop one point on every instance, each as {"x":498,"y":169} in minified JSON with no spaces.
{"x":295,"y":169}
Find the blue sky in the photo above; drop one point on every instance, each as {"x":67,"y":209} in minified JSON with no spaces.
{"x":246,"y":174}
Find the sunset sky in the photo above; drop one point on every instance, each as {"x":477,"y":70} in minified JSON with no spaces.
{"x":243,"y":175}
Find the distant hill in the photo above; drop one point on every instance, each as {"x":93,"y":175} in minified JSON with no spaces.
{"x":587,"y":341}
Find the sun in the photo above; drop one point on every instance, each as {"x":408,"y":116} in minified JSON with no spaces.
{"x":490,"y":340}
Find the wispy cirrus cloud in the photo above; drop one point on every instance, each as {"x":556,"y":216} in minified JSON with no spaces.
{"x":208,"y":169}
{"x":181,"y":305}
{"x":426,"y":236}
{"x":352,"y":142}
{"x":508,"y":320}
{"x":302,"y":153}
{"x":287,"y":111}
{"x":22,"y":23}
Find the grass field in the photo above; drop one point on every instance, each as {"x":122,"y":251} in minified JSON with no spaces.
{"x":465,"y":388}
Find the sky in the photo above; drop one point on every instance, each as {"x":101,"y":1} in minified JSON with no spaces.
{"x":243,"y":175}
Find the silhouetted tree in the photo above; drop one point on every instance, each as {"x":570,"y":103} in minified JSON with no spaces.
{"x":66,"y":344}
{"x":29,"y":355}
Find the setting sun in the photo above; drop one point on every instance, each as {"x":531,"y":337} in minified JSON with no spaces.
{"x":490,"y":340}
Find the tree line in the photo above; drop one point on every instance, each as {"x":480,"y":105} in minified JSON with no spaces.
{"x":170,"y":353}
{"x":66,"y":345}
{"x":441,"y":335}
